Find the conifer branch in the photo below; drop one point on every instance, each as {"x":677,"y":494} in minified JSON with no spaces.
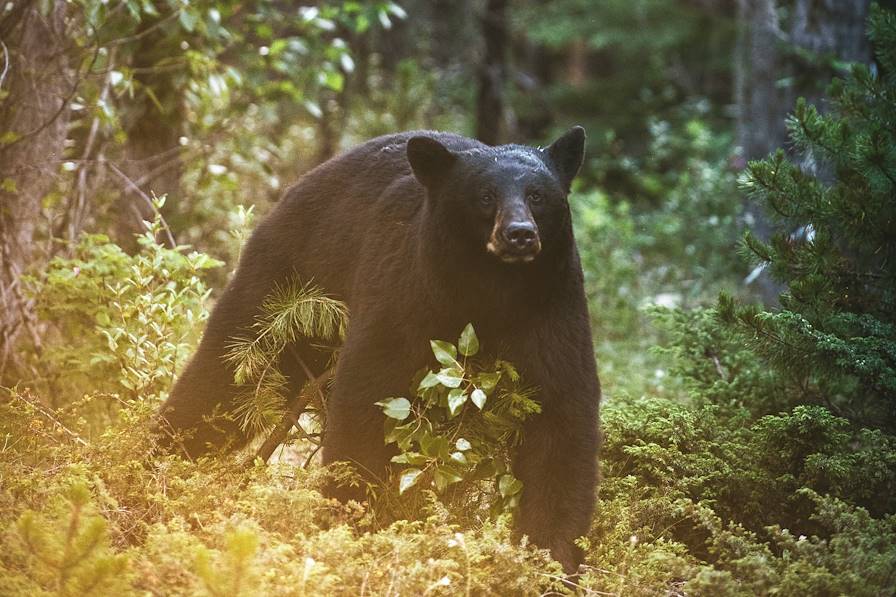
{"x":291,"y":417}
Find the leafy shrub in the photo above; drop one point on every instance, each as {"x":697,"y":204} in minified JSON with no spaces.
{"x":702,"y":501}
{"x":122,"y":323}
{"x":462,"y":429}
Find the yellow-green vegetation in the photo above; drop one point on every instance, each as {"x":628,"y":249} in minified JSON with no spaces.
{"x":100,"y":515}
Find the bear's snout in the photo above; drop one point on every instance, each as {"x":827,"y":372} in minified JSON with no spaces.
{"x":514,"y":242}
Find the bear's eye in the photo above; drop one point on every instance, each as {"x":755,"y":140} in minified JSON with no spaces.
{"x":487,"y":198}
{"x":534,"y":198}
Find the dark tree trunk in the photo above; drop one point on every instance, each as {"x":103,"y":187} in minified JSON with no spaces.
{"x":452,"y":52}
{"x":455,"y":33}
{"x":492,"y":74}
{"x":153,"y":152}
{"x":33,"y":120}
{"x":762,"y":104}
{"x":822,"y":30}
{"x":769,"y":53}
{"x":533,"y":73}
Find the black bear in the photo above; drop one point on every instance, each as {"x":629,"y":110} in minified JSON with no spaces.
{"x":420,"y":233}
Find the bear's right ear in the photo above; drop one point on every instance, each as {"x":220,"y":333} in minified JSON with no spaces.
{"x":429,"y":159}
{"x":567,"y":154}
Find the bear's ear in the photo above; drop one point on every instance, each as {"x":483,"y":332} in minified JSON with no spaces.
{"x":429,"y":159}
{"x":567,"y":154}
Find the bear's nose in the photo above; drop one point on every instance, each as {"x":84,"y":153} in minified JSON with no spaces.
{"x":521,"y":235}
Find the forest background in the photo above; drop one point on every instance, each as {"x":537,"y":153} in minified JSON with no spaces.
{"x":737,"y":242}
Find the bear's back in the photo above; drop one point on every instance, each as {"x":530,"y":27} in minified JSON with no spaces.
{"x":375,"y":170}
{"x":364,"y":197}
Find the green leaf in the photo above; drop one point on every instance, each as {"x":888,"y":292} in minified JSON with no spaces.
{"x":403,"y":435}
{"x":397,"y":10}
{"x":384,"y":19}
{"x":313,"y":109}
{"x":408,"y":479}
{"x":487,"y":381}
{"x":396,"y":408}
{"x":450,"y":378}
{"x":456,"y":400}
{"x":434,"y":446}
{"x":429,"y":381}
{"x":484,"y":470}
{"x":468,"y":345}
{"x":445,"y":352}
{"x":478,"y":397}
{"x":414,"y":458}
{"x":509,"y":485}
{"x":332,"y":80}
{"x":445,"y":476}
{"x":459,"y":457}
{"x":187,"y":19}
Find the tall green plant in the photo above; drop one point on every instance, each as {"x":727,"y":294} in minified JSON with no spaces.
{"x":835,"y":335}
{"x":122,"y":323}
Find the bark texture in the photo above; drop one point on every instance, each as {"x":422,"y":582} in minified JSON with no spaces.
{"x":35,"y":92}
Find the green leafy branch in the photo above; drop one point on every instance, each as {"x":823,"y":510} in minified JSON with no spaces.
{"x":462,"y":426}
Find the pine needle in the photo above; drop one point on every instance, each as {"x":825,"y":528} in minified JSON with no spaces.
{"x":291,"y":312}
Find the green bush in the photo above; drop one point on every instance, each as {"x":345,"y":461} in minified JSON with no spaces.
{"x":461,"y":431}
{"x":834,"y":340}
{"x":121,"y":323}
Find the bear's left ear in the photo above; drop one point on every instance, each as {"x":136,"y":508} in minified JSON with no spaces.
{"x":429,"y":160}
{"x":567,"y":154}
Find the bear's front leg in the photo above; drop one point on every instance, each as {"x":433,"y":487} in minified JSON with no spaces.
{"x":557,"y":461}
{"x":557,"y":464}
{"x":373,"y":365}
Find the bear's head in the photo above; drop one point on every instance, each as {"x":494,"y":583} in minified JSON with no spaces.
{"x":510,"y":201}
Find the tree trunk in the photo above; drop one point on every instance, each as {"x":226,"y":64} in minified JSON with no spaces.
{"x":762,"y":105}
{"x":825,"y":29}
{"x":451,"y":32}
{"x":492,"y":74}
{"x":774,"y":67}
{"x":33,"y":121}
{"x":153,"y":152}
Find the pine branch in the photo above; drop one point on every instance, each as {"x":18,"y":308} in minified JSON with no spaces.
{"x":291,"y":312}
{"x":291,"y":417}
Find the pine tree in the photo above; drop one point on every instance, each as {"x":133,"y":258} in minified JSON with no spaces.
{"x":834,"y":338}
